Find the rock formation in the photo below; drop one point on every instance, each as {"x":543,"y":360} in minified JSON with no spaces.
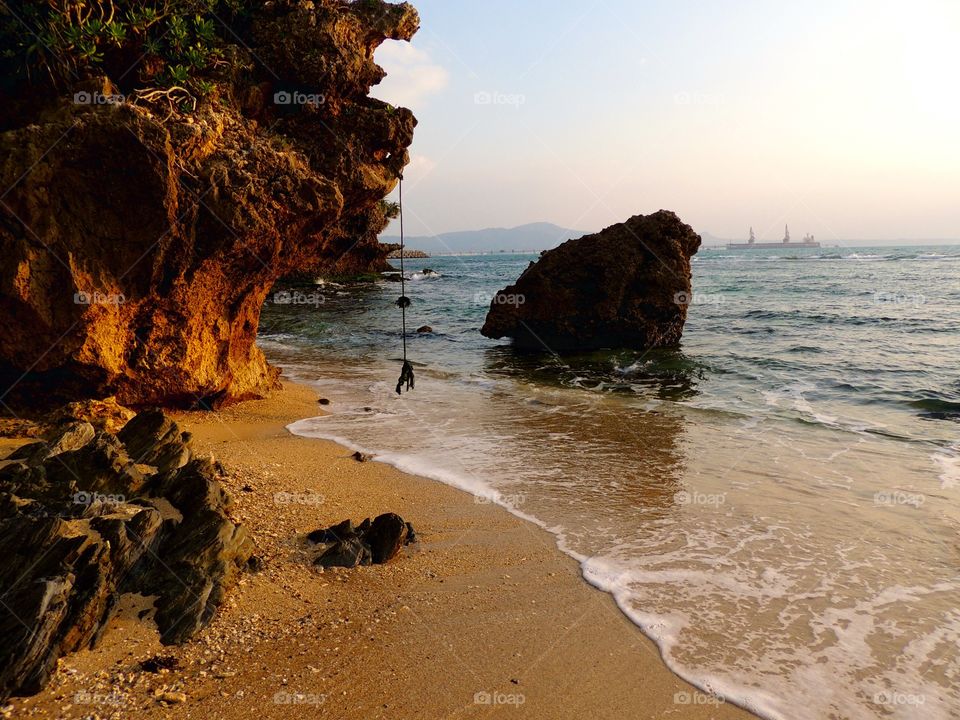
{"x":627,"y":286}
{"x":86,"y":516}
{"x":139,"y":238}
{"x":394,"y":253}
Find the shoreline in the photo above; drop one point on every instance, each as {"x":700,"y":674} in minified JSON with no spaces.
{"x":484,"y":613}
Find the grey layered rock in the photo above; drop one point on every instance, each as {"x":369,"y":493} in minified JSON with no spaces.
{"x":87,"y":516}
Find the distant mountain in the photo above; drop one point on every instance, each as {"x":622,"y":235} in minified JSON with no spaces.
{"x":533,"y":237}
{"x":711,"y":240}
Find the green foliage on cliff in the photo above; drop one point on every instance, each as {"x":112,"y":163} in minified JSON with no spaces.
{"x":390,"y":210}
{"x":155,"y":43}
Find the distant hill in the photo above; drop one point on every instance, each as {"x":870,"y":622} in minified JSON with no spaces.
{"x":711,"y":240}
{"x":534,"y":237}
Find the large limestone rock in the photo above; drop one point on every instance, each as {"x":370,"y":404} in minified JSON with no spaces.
{"x":86,"y":516}
{"x":138,"y":241}
{"x":627,"y":286}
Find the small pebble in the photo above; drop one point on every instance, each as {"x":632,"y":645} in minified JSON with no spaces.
{"x":173,"y":698}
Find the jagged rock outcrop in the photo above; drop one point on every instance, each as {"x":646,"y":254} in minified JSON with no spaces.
{"x":626,"y":286}
{"x":367,"y":258}
{"x":86,"y":516}
{"x":138,"y":241}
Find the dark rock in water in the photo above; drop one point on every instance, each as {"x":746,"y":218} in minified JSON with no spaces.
{"x":627,"y":286}
{"x":323,"y":401}
{"x":87,"y":516}
{"x":345,"y":553}
{"x":361,"y":457}
{"x":425,"y":329}
{"x":385,"y":537}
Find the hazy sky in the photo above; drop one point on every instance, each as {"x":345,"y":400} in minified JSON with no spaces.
{"x":841,"y":117}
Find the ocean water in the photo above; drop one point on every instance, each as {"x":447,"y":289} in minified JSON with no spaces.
{"x":776,"y":503}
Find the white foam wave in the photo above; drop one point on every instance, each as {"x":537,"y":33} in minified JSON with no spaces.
{"x":948,"y":462}
{"x":421,"y":467}
{"x":432,"y":275}
{"x":716,"y":573}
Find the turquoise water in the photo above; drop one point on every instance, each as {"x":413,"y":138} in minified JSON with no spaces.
{"x":774,"y":503}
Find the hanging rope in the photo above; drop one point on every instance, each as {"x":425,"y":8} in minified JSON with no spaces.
{"x":406,"y":374}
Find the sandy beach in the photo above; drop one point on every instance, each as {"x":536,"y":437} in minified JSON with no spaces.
{"x":483,"y":615}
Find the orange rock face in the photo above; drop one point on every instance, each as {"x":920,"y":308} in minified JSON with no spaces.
{"x":138,"y":242}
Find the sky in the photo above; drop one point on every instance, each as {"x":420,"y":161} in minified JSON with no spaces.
{"x":839,"y":117}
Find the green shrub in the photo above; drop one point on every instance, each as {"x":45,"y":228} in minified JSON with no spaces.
{"x":160,"y":44}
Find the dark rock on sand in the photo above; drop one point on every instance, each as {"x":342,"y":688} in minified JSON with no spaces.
{"x":342,"y":531}
{"x":106,"y":414}
{"x":385,"y":537}
{"x":159,"y":662}
{"x":627,"y":286}
{"x":86,"y":516}
{"x":361,"y":457}
{"x":348,"y":553}
{"x":377,"y":541}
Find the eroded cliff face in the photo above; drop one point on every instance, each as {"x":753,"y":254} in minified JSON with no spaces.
{"x":138,"y":241}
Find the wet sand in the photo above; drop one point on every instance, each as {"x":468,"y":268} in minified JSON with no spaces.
{"x":484,"y":615}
